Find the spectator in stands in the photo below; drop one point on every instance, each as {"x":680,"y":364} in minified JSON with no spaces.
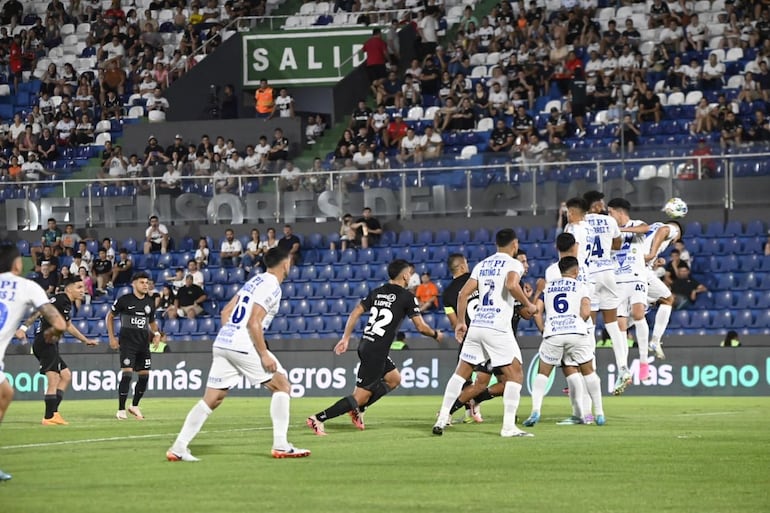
{"x":156,"y":238}
{"x":202,"y":253}
{"x":396,"y":131}
{"x":201,"y":167}
{"x":112,"y":107}
{"x":368,"y":229}
{"x":156,"y":101}
{"x":411,"y":91}
{"x":284,"y":105}
{"x":501,"y":139}
{"x":189,"y":299}
{"x":64,"y":130}
{"x":69,"y":240}
{"x":376,"y":50}
{"x":750,"y":90}
{"x":696,"y":34}
{"x":674,"y":267}
{"x":171,"y":181}
{"x":86,"y":255}
{"x":431,"y":144}
{"x":686,"y":289}
{"x":194,"y":271}
{"x":713,"y":74}
{"x":732,"y":131}
{"x":759,"y":128}
{"x":363,"y":158}
{"x":408,"y":147}
{"x":426,"y":293}
{"x":32,"y":169}
{"x":279,"y":150}
{"x":389,"y":89}
{"x":347,"y":234}
{"x":650,"y":108}
{"x":627,"y":133}
{"x":46,"y":146}
{"x":47,"y":278}
{"x":704,"y":121}
{"x":291,"y":243}
{"x":164,"y":303}
{"x":27,"y":141}
{"x":223,"y":180}
{"x":290,"y":177}
{"x":84,"y":131}
{"x":252,"y":257}
{"x":360,"y":118}
{"x":154,"y":156}
{"x":102,"y":268}
{"x":51,"y":238}
{"x":264,"y":102}
{"x":230,"y":250}
{"x":178,"y":281}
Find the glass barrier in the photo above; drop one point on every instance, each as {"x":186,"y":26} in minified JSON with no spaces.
{"x":481,"y":184}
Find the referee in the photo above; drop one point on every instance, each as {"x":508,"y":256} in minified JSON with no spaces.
{"x":136,"y":311}
{"x":52,"y":366}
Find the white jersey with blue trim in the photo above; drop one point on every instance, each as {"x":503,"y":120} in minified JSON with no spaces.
{"x":496,"y":303}
{"x":604,"y":231}
{"x":263,"y":290}
{"x":562,"y":301}
{"x":584,"y":237}
{"x":630,"y":256}
{"x":673,"y":234}
{"x":17,"y":296}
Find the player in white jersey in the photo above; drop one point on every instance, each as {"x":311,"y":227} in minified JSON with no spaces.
{"x":17,"y":296}
{"x":657,"y":237}
{"x":631,"y":275}
{"x":605,"y":296}
{"x":490,"y":335}
{"x":566,"y":342}
{"x":240,"y":350}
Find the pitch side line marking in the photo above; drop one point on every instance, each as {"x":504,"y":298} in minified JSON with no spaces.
{"x":118,"y":438}
{"x":710,"y":413}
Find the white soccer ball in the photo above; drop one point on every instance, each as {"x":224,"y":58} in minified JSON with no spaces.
{"x":675,"y":208}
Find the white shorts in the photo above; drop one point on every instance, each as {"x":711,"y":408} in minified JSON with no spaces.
{"x":656,"y":289}
{"x":605,"y":295}
{"x":227,"y":367}
{"x":631,"y":293}
{"x":571,"y":350}
{"x":2,"y":376}
{"x":482,"y":344}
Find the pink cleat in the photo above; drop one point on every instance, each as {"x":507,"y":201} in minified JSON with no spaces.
{"x":316,"y":425}
{"x":357,"y":418}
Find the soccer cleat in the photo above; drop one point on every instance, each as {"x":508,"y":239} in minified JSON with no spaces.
{"x":533,"y":419}
{"x":136,"y":412}
{"x":622,"y":382}
{"x":291,"y":452}
{"x":180,"y":456}
{"x":49,"y":422}
{"x":468,"y":419}
{"x":588,"y":419}
{"x":570,"y":421}
{"x":4,"y":476}
{"x":121,"y":415}
{"x":58,"y":419}
{"x":644,"y":371}
{"x":316,"y":425}
{"x":357,"y":417}
{"x":600,"y":420}
{"x":475,"y":411}
{"x":515,"y":432}
{"x":438,"y":429}
{"x":657,"y":347}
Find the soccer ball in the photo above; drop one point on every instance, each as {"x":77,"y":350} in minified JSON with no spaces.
{"x":675,"y":208}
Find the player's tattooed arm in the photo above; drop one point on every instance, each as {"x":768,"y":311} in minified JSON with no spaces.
{"x":55,"y":319}
{"x":21,"y":333}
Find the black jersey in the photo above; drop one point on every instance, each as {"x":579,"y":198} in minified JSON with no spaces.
{"x":135,"y":317}
{"x":387,"y":305}
{"x":63,"y":305}
{"x":450,"y":297}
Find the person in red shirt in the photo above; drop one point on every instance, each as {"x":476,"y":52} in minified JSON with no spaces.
{"x":114,"y":13}
{"x":16,"y":61}
{"x":395,"y":132}
{"x":376,"y":56}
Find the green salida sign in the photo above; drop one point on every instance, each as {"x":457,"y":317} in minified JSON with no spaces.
{"x":317,"y":57}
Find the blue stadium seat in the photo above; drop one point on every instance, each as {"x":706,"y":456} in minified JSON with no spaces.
{"x":340,"y":289}
{"x":481,"y":236}
{"x":188,"y":326}
{"x":755,"y":228}
{"x":722,"y":319}
{"x":442,"y":237}
{"x":170,"y":326}
{"x":23,"y":247}
{"x":325,"y":273}
{"x":348,"y":256}
{"x":315,"y":324}
{"x":322,"y":290}
{"x":288,"y":289}
{"x":745,"y":300}
{"x":715,"y":229}
{"x":321,"y":306}
{"x":82,"y":326}
{"x":763,"y":299}
{"x":335,"y":323}
{"x":97,"y":328}
{"x":462,"y":237}
{"x":733,"y":229}
{"x":218,"y":275}
{"x":85,"y":312}
{"x":679,"y":319}
{"x":421,"y":254}
{"x":405,"y":253}
{"x":304,"y":290}
{"x":362,"y":272}
{"x":700,"y":319}
{"x":723,"y":299}
{"x":238,"y":275}
{"x":296,"y":324}
{"x":406,"y":237}
{"x":315,"y":240}
{"x":329,"y":257}
{"x":743,"y":319}
{"x":360,"y":290}
{"x":338,"y":306}
{"x":308,"y":272}
{"x":343,"y":273}
{"x":231,"y":290}
{"x":217,"y":292}
{"x":280,"y":324}
{"x":762,"y":319}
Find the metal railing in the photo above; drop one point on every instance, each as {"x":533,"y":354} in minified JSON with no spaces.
{"x":450,"y":187}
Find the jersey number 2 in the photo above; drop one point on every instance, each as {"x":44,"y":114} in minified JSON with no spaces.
{"x":378,"y":320}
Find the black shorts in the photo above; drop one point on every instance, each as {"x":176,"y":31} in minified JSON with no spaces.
{"x":135,"y":356}
{"x":374,"y":365}
{"x":578,"y":109}
{"x":487,"y":368}
{"x":155,"y":247}
{"x":376,"y":72}
{"x":48,"y":356}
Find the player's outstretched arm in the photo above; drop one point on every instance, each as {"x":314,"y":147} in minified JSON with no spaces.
{"x":72,"y":330}
{"x":657,"y":240}
{"x":641,"y":229}
{"x":109,"y":321}
{"x":350,"y":325}
{"x":426,"y":330}
{"x":513,"y":284}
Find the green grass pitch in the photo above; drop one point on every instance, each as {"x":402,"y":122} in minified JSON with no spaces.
{"x":707,"y":454}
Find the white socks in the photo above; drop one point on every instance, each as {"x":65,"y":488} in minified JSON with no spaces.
{"x":619,"y":344}
{"x":538,"y":392}
{"x":643,"y":339}
{"x":279,"y":413}
{"x":511,"y":397}
{"x":594,"y":386}
{"x":661,"y":321}
{"x":454,"y":388}
{"x":192,"y":425}
{"x":574,"y":398}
